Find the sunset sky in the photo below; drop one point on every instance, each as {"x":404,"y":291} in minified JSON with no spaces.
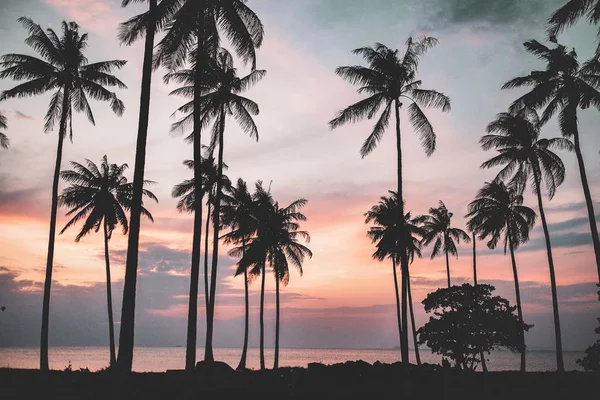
{"x":344,"y":299}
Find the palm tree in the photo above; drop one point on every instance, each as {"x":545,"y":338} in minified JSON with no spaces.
{"x":65,"y":70}
{"x":389,"y":79}
{"x":4,"y":142}
{"x":225,"y":100}
{"x":144,"y":25}
{"x":516,"y":137}
{"x":474,"y":239}
{"x":437,"y":227}
{"x":390,"y":239}
{"x":237,"y":213}
{"x":564,"y":87}
{"x":275,"y":242}
{"x":100,"y":196}
{"x":185,"y":191}
{"x":498,"y":211}
{"x":570,"y":13}
{"x":193,"y":35}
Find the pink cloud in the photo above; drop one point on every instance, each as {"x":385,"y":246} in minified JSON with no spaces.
{"x":95,"y":15}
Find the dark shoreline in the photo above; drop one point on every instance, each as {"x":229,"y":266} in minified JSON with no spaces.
{"x":350,"y":380}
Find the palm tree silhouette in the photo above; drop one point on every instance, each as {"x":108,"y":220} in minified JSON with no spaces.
{"x":143,"y":25}
{"x":570,"y":13}
{"x":563,"y":88}
{"x":225,"y":99}
{"x":237,"y":213}
{"x":4,"y":142}
{"x":185,"y":191}
{"x":389,"y":79}
{"x":100,"y":196}
{"x":498,"y":211}
{"x":437,"y":227}
{"x":192,"y":36}
{"x":516,"y":137}
{"x":390,"y":238}
{"x":275,"y":242}
{"x":65,"y":70}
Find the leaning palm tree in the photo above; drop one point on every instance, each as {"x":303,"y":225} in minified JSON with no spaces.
{"x":143,"y":25}
{"x":192,"y":36}
{"x":571,"y":12}
{"x":65,"y":70}
{"x":498,"y":211}
{"x":275,"y":242}
{"x":237,"y":213}
{"x":389,"y":80}
{"x":438,"y":227}
{"x":391,"y":239}
{"x":526,"y":157}
{"x":100,"y":196}
{"x":225,"y":99}
{"x":4,"y":142}
{"x":562,"y":88}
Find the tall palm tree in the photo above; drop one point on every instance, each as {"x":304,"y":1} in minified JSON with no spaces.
{"x":390,"y":239}
{"x":498,"y":211}
{"x":65,"y":70}
{"x":526,"y":157}
{"x":438,"y":227}
{"x":570,"y":13}
{"x":237,"y":213}
{"x":4,"y":142}
{"x":563,"y":88}
{"x":224,"y":100}
{"x":275,"y":242}
{"x":192,"y":36}
{"x":474,"y":239}
{"x":144,"y":25}
{"x":389,"y":80}
{"x":100,"y":196}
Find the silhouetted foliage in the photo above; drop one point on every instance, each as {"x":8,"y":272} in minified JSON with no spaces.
{"x":563,"y":88}
{"x":515,"y":135}
{"x":498,"y":210}
{"x":100,"y":196}
{"x":64,"y":69}
{"x":391,"y":238}
{"x":276,"y":243}
{"x":437,"y":227}
{"x":4,"y":141}
{"x":467,"y":321}
{"x":570,"y":13}
{"x":591,"y":361}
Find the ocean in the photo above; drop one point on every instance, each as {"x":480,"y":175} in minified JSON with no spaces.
{"x":160,"y":359}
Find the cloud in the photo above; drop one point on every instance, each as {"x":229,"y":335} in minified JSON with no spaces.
{"x":96,"y":15}
{"x":570,"y":224}
{"x":20,"y":115}
{"x":569,"y":239}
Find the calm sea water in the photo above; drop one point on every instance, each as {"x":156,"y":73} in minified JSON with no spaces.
{"x":159,"y":359}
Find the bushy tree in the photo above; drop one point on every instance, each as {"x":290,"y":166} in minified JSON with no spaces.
{"x":591,"y":361}
{"x":468,"y":320}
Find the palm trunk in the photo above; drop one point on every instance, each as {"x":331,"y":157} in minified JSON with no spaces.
{"x":276,"y":358}
{"x":44,"y":366}
{"x":208,"y":350}
{"x":206,"y":229}
{"x":242,"y":364}
{"x":262,"y":319}
{"x":403,"y":258}
{"x":518,"y":295}
{"x":481,"y":355}
{"x":588,"y":202}
{"x":557,"y":335}
{"x":190,"y":353}
{"x":126,"y":336}
{"x":447,"y":264}
{"x":111,"y":327}
{"x":412,"y":321}
{"x":398,"y":315}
